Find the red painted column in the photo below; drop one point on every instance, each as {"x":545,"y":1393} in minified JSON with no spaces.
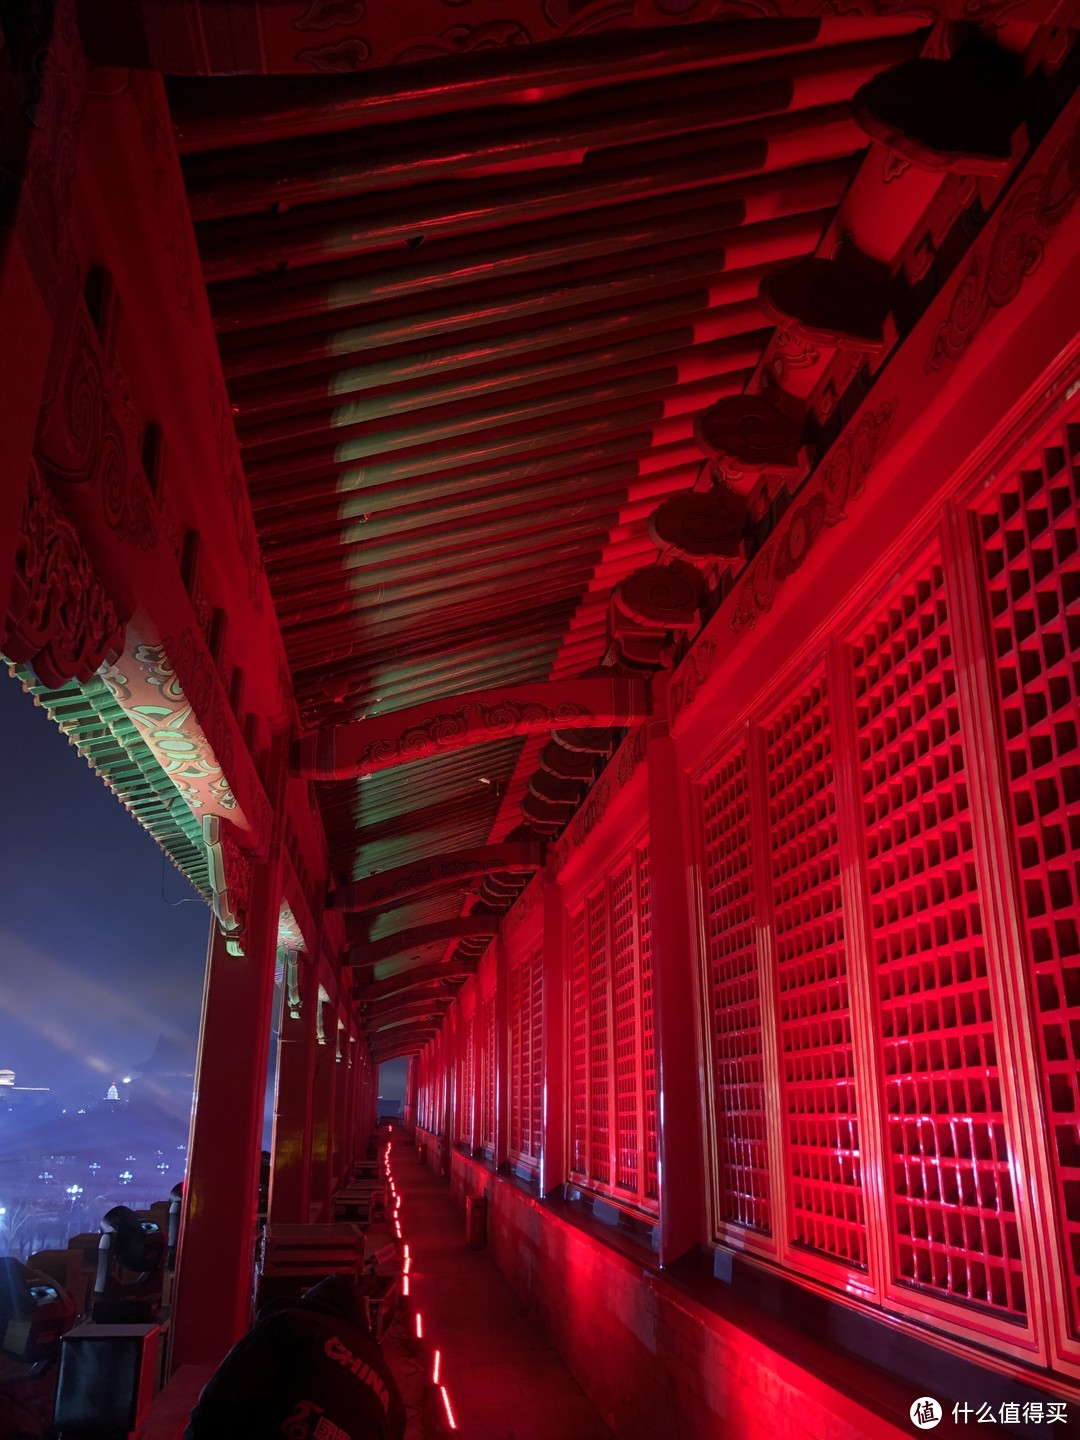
{"x":322,"y":1099}
{"x":451,"y":1028}
{"x":680,"y":1073}
{"x":342,"y":1082}
{"x":290,"y":1171}
{"x":502,"y":1053}
{"x":553,"y":1159}
{"x":216,"y":1260}
{"x":412,"y":1086}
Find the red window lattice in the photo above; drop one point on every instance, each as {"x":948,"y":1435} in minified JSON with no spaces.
{"x":734,"y":993}
{"x":465,"y":1108}
{"x":954,"y":1220}
{"x":579,"y":1044}
{"x":1029,"y":530}
{"x":599,"y":1059}
{"x":611,"y":1046}
{"x":487,"y":1077}
{"x":526,"y":1041}
{"x":625,"y":1026}
{"x":816,"y":1054}
{"x":536,"y":1052}
{"x":651,"y":1099}
{"x":487,"y":1112}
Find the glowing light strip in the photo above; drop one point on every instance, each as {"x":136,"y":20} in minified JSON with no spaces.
{"x":419,"y":1326}
{"x":436,"y":1366}
{"x":446,"y":1406}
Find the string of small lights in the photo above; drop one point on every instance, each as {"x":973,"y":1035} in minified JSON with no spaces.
{"x":439,"y":1417}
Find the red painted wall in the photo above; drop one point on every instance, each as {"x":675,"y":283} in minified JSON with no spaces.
{"x":652,"y":1359}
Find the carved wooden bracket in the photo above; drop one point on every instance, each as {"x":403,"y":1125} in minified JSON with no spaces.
{"x":456,"y":865}
{"x":230,"y":881}
{"x":649,"y":607}
{"x":958,"y":115}
{"x":844,"y":302}
{"x":438,"y":933}
{"x":60,"y":622}
{"x":700,"y":524}
{"x":366,"y":746}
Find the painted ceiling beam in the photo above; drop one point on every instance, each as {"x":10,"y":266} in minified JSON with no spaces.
{"x":456,"y":865}
{"x":415,"y":1010}
{"x":438,"y":988}
{"x":438,"y":932}
{"x":440,"y":726}
{"x":421,"y":976}
{"x":406,"y":1022}
{"x":406,"y":1046}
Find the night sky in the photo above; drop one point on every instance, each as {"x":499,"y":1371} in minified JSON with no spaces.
{"x":102,"y":940}
{"x":99,"y":953}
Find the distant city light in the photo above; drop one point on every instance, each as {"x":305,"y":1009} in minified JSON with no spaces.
{"x":125,"y":1177}
{"x":3,"y":1209}
{"x":94,"y":1166}
{"x":45,"y":1175}
{"x":126,"y":1080}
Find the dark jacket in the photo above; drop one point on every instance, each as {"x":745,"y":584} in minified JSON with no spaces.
{"x":307,"y":1370}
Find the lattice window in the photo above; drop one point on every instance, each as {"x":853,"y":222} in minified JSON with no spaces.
{"x":648,"y":1033}
{"x":487,"y":1077}
{"x":625,"y":1026}
{"x":579,"y":1044}
{"x":518,"y":1068}
{"x":823,"y":1167}
{"x":955,"y":1226}
{"x":612,"y":1149}
{"x":536,"y":1051}
{"x":465,"y":1109}
{"x":1029,"y":531}
{"x":599,"y":1057}
{"x":526,"y":1041}
{"x":734,"y":994}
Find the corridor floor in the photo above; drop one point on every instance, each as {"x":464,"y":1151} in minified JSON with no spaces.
{"x":504,"y":1379}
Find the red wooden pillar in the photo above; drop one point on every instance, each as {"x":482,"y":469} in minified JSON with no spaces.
{"x":352,"y":1099}
{"x":321,"y":1121}
{"x":216,"y":1261}
{"x":290,"y":1177}
{"x":450,"y":1086}
{"x":682,"y":1190}
{"x":502,"y":1053}
{"x":412,"y":1086}
{"x":553,"y":1166}
{"x":342,"y":1079}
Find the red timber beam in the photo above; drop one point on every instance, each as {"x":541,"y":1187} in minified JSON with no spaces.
{"x":364,"y":747}
{"x":194,"y":37}
{"x":456,"y":866}
{"x":369,"y":954}
{"x":416,"y":1033}
{"x":423,"y":977}
{"x":422,"y":1011}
